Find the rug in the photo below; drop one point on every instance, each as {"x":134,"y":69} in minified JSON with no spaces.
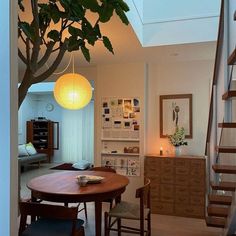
{"x":64,"y":166}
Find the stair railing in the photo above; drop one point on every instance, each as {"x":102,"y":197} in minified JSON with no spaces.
{"x":212,"y":111}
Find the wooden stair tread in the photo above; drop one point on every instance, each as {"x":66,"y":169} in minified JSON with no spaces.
{"x":217,"y":211}
{"x":227,"y":125}
{"x":232,"y":58}
{"x":219,"y":199}
{"x":215,"y":222}
{"x":227,"y":169}
{"x":229,"y":94}
{"x":226,"y":149}
{"x":226,"y":186}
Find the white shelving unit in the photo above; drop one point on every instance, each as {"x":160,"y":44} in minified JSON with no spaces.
{"x":120,"y":140}
{"x":120,"y":135}
{"x":120,"y":154}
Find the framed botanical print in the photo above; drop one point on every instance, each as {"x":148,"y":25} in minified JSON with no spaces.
{"x":176,"y":110}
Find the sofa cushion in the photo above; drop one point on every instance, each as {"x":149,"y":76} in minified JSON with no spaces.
{"x":22,"y":150}
{"x":30,"y":148}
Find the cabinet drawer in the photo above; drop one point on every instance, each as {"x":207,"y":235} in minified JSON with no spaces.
{"x":167,"y":193}
{"x":152,"y":162}
{"x":181,"y":190}
{"x":155,"y":191}
{"x":154,"y":179}
{"x":182,"y":198}
{"x":189,"y":210}
{"x":198,"y":164}
{"x":197,"y":200}
{"x":167,"y":179}
{"x":152,"y":173}
{"x":162,"y":208}
{"x":197,"y":173}
{"x":181,"y":180}
{"x":181,"y":170}
{"x":197,"y":191}
{"x":167,"y":162}
{"x":185,"y":163}
{"x":197,"y":181}
{"x":167,"y":170}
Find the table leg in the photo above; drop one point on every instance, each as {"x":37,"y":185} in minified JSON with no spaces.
{"x":98,"y":218}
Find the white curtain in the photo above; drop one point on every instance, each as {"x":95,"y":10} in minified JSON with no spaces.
{"x":77,"y":134}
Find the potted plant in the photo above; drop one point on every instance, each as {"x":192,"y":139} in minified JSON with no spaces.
{"x":178,"y":139}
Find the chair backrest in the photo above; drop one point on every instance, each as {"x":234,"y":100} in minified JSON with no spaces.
{"x":103,"y":168}
{"x":35,"y":209}
{"x":143,"y":193}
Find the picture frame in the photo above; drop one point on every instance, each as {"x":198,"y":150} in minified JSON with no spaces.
{"x":176,"y":110}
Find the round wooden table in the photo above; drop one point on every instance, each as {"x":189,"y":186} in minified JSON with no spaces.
{"x":63,"y":187}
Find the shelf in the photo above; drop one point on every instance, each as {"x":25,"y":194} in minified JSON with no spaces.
{"x":120,"y":140}
{"x":120,"y":154}
{"x":40,"y":128}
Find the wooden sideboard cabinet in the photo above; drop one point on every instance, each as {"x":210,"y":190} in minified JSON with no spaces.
{"x":177,"y":185}
{"x":41,"y":134}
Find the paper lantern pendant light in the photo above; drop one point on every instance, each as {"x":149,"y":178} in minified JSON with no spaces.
{"x":72,"y":91}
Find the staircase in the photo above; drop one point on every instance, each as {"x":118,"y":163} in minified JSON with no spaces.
{"x":221,"y":198}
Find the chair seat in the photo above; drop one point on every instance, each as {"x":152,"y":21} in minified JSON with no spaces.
{"x":127,"y":210}
{"x":51,"y":227}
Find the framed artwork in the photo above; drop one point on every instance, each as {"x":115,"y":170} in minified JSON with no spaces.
{"x":176,"y":110}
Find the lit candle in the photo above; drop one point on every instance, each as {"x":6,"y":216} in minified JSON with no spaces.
{"x":161,"y":151}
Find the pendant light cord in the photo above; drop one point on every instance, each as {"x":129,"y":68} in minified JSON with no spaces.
{"x":61,"y":72}
{"x":73,"y":62}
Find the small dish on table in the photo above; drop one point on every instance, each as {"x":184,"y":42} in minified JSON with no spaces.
{"x":91,"y":179}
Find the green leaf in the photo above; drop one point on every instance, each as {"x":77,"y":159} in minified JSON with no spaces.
{"x":106,"y":12}
{"x":107,"y":44}
{"x":97,"y":30}
{"x":27,"y":29}
{"x":76,"y":32}
{"x":54,"y":35}
{"x":86,"y":53}
{"x":77,"y":10}
{"x":122,"y":15}
{"x":65,"y":3}
{"x":90,"y":4}
{"x":55,"y":13}
{"x":123,"y":5}
{"x":73,"y":44}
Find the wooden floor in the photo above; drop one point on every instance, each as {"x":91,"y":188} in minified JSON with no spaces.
{"x":162,"y":225}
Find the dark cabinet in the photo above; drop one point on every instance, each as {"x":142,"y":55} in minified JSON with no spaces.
{"x":42,"y":135}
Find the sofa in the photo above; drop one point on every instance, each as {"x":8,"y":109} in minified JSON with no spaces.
{"x":35,"y":158}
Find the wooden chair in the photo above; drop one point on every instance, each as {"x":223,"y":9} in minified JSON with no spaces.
{"x":51,"y":220}
{"x":106,"y":169}
{"x":127,"y":210}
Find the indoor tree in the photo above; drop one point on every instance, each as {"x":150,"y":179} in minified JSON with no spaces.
{"x":57,"y":26}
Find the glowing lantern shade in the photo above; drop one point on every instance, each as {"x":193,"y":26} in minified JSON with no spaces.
{"x":72,"y":91}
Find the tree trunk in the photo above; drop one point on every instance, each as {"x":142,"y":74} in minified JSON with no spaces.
{"x":24,"y":86}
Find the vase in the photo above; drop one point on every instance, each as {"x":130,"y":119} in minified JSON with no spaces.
{"x":177,"y":150}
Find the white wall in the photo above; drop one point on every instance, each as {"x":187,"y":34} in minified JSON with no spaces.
{"x":191,"y":77}
{"x":26,"y":112}
{"x":120,"y":80}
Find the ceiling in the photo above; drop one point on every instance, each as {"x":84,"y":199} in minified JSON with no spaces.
{"x":127,"y":48}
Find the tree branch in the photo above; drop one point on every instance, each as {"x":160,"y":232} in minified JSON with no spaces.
{"x":53,"y":67}
{"x":36,"y":43}
{"x":46,"y":55}
{"x":28,"y":52}
{"x":21,"y":56}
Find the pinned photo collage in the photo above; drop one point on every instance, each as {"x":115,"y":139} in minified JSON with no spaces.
{"x":121,"y":114}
